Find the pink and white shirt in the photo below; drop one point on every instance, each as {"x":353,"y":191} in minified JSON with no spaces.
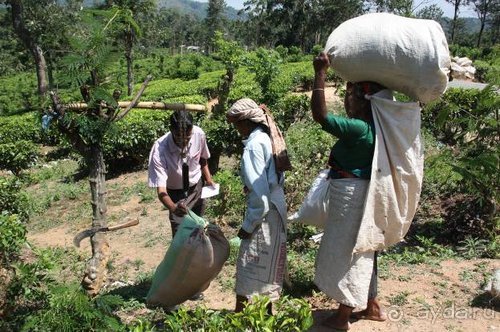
{"x":165,"y":160}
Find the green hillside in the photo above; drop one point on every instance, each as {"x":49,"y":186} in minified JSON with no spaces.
{"x":196,"y":8}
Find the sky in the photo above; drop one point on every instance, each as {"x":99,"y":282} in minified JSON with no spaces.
{"x":446,"y":7}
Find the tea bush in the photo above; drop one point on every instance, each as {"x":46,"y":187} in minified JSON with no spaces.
{"x":18,"y":156}
{"x":132,"y":138}
{"x":301,"y":269}
{"x":245,"y":86}
{"x":267,"y":67}
{"x":12,"y":236}
{"x":486,"y":72}
{"x":229,"y":205}
{"x":20,"y":127}
{"x":166,"y":90}
{"x":13,"y":200}
{"x":18,"y":93}
{"x":290,"y":109}
{"x":449,"y":118}
{"x":309,"y":147}
{"x":27,"y":127}
{"x":462,"y":167}
{"x":70,"y":309}
{"x":290,"y":315}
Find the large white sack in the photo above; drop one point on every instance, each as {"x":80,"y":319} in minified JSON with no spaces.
{"x":396,"y":176}
{"x":404,"y":54}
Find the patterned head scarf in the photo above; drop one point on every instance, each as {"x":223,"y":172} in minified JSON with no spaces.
{"x":247,"y":109}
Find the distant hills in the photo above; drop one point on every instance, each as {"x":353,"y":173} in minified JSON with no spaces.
{"x":196,"y":8}
{"x":199,"y":9}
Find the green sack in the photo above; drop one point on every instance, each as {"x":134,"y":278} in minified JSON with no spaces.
{"x":195,"y":257}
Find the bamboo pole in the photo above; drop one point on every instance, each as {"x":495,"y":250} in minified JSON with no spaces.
{"x":155,"y":105}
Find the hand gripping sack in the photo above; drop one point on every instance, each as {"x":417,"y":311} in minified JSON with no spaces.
{"x":314,"y":208}
{"x":404,"y":54}
{"x":195,"y":257}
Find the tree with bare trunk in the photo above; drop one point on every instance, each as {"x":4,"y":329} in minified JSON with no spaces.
{"x":454,"y":23}
{"x":219,"y":135}
{"x":42,"y":27}
{"x":125,"y":13}
{"x":214,"y":22}
{"x":486,"y":11}
{"x":30,"y":42}
{"x":86,"y":130}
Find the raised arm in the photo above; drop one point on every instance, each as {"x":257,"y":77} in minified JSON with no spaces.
{"x":318,"y":104}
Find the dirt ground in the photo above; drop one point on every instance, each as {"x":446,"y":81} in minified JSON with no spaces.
{"x":429,"y":297}
{"x":445,"y":296}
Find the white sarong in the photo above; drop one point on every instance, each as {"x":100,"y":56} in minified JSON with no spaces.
{"x":261,"y":261}
{"x":341,"y":274}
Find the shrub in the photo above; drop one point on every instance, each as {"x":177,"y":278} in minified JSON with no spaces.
{"x":486,"y":72}
{"x":472,"y":53}
{"x":18,"y":93}
{"x":245,"y":86}
{"x":301,"y":74}
{"x":301,"y":272}
{"x":184,"y":67}
{"x":316,"y":49}
{"x":230,"y":203}
{"x":282,"y":50}
{"x":132,"y":138}
{"x":26,"y":127}
{"x":12,"y":236}
{"x":265,"y":64}
{"x":290,"y":315}
{"x":448,"y":118}
{"x":20,"y":127}
{"x":167,"y":89}
{"x":309,"y":147}
{"x":18,"y":156}
{"x":294,"y":54}
{"x":13,"y":200}
{"x":290,"y":109}
{"x":466,"y":121}
{"x":70,"y":309}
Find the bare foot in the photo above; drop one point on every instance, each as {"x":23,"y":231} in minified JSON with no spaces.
{"x":335,"y":323}
{"x":370,"y":314}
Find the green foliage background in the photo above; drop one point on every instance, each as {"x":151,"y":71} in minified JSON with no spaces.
{"x":458,"y":213}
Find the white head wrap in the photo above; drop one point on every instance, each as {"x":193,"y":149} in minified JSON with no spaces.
{"x":247,"y":109}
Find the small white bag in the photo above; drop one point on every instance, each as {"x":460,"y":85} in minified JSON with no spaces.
{"x":314,"y":208}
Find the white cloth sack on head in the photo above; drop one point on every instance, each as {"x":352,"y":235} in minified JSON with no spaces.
{"x":396,"y":177}
{"x":404,"y":54}
{"x":314,"y":208}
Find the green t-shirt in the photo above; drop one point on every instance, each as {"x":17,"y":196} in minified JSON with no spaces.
{"x":353,"y":152}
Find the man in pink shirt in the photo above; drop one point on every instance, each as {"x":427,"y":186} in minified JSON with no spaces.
{"x":177,"y":167}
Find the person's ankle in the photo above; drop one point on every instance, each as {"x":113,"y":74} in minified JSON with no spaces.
{"x":197,"y":297}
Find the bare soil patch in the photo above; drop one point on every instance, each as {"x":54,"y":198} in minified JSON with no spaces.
{"x":426,"y":297}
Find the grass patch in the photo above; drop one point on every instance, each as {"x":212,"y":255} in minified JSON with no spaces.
{"x":399,"y":299}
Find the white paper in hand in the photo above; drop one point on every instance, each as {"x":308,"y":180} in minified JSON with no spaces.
{"x":209,"y":191}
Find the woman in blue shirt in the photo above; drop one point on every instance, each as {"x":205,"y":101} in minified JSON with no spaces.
{"x":262,"y":257}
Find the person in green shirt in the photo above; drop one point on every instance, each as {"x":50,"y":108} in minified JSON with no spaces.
{"x":350,"y":279}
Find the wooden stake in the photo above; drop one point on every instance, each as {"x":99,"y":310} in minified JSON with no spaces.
{"x":147,"y":105}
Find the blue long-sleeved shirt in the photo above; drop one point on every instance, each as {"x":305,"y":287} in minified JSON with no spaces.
{"x":259,"y":175}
